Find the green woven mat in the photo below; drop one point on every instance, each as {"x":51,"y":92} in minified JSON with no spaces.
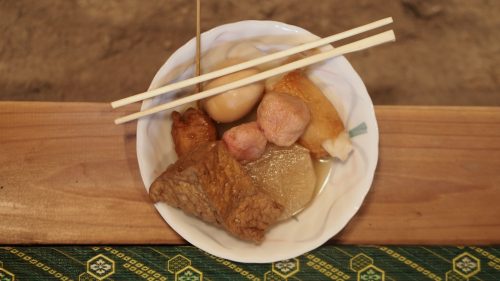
{"x":187,"y":263}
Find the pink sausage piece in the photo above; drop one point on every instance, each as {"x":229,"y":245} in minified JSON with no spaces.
{"x":283,"y":118}
{"x":245,"y":142}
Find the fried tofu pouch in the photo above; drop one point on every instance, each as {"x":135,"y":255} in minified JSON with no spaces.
{"x":325,"y":134}
{"x":209,"y":183}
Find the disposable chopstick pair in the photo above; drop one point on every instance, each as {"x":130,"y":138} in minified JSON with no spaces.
{"x":371,"y":41}
{"x":251,"y":63}
{"x":384,"y":37}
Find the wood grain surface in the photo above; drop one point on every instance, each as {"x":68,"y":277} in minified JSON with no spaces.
{"x":68,"y":175}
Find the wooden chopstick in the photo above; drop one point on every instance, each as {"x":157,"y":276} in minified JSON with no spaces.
{"x":384,"y":37}
{"x":251,"y":63}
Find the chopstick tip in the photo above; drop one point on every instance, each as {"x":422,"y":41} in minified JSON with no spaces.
{"x":114,"y":104}
{"x":393,"y":35}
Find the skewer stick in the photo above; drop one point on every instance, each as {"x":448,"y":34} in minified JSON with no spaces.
{"x":359,"y":45}
{"x":251,"y":63}
{"x":198,"y":44}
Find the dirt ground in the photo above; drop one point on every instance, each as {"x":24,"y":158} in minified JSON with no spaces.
{"x":447,"y":52}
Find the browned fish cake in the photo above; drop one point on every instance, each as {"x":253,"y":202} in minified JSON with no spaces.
{"x":325,"y":121}
{"x":190,"y":129}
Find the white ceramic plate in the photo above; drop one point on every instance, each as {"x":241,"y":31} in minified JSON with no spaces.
{"x":347,"y":185}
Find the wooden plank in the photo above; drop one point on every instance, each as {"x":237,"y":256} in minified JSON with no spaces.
{"x":437,"y":180}
{"x":68,"y":175}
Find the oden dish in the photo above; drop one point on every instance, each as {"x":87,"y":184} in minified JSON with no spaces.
{"x":347,"y":182}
